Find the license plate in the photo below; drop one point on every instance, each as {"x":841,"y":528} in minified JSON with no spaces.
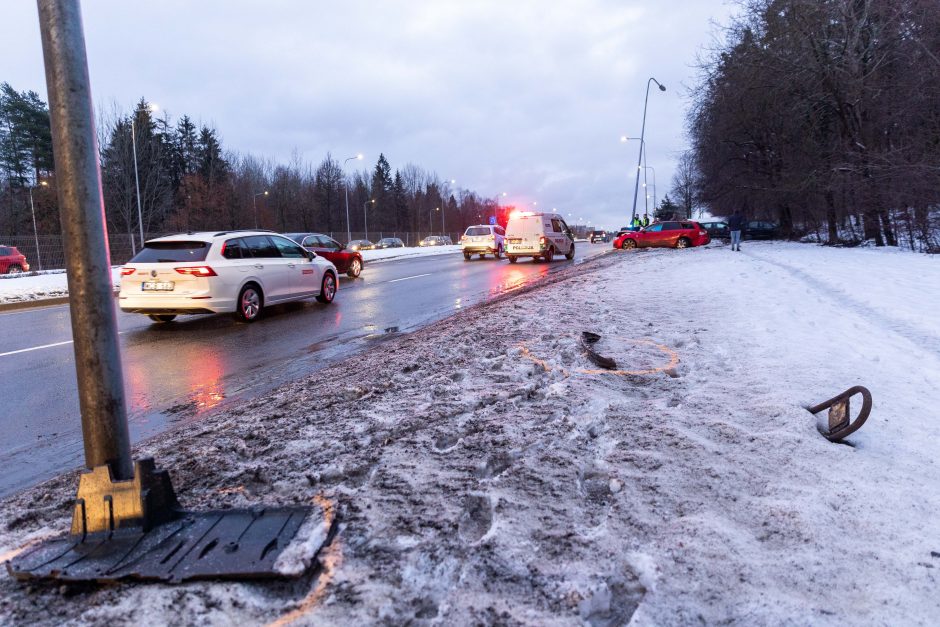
{"x":514,"y":240}
{"x":157,"y":286}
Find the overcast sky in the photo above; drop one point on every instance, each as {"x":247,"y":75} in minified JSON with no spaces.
{"x":528,"y":97}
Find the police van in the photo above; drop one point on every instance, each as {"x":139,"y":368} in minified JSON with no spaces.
{"x":538,"y":235}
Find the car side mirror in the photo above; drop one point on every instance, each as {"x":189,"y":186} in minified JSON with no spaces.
{"x":311,"y":255}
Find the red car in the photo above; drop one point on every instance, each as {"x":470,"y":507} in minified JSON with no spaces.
{"x":678,"y":234}
{"x":12,"y":261}
{"x":348,"y":261}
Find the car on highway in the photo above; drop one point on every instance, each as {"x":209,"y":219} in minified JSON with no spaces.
{"x":760,"y":229}
{"x":717,"y":230}
{"x":238,"y":272}
{"x":598,"y":236}
{"x":670,"y":234}
{"x":436,"y":240}
{"x":389,"y":242}
{"x":538,"y":235}
{"x":483,"y":240}
{"x":346,"y":261}
{"x":360,"y":244}
{"x":12,"y":261}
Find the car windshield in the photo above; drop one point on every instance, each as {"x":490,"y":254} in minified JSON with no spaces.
{"x":477,"y":230}
{"x":156,"y":252}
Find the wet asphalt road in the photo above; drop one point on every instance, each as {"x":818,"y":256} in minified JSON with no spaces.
{"x":180,"y":371}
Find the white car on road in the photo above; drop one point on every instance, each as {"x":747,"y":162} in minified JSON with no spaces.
{"x":219,"y":272}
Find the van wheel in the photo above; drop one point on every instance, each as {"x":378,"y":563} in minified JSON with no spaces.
{"x":250,"y":302}
{"x":512,"y":258}
{"x":162,"y":317}
{"x":14,"y":268}
{"x":570,"y":254}
{"x":466,"y":256}
{"x":549,"y":254}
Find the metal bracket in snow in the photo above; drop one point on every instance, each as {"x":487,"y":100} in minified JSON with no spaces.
{"x":588,"y":340}
{"x":838,"y":424}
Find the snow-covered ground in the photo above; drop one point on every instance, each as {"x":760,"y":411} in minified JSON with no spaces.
{"x":51,"y":284}
{"x":483,"y":472}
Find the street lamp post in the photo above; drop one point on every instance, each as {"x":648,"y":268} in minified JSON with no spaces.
{"x":254,"y":204}
{"x":649,"y":167}
{"x":639,"y":161}
{"x":365,"y":217}
{"x":346,"y":192}
{"x":32,"y":210}
{"x":140,"y":215}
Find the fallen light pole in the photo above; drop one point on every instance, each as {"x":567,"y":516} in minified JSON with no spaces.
{"x":126,"y":521}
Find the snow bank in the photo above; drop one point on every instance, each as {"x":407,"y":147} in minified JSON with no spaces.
{"x":386,"y":254}
{"x":484,"y":472}
{"x":30,"y":287}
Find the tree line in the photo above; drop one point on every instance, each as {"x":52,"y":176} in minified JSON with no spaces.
{"x":824,"y":115}
{"x":188,"y":180}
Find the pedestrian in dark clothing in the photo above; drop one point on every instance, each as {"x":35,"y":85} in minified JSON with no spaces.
{"x":736,"y":225}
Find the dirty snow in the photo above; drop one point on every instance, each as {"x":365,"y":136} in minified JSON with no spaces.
{"x":481,"y":472}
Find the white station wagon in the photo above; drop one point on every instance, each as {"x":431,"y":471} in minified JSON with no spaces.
{"x":230,"y":271}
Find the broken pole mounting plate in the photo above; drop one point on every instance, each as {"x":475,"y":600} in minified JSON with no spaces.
{"x":135,"y":529}
{"x":839,"y":424}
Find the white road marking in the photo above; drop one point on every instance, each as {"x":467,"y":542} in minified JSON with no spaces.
{"x":36,"y":348}
{"x":417,"y":276}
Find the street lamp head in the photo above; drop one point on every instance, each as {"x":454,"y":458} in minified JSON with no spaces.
{"x":662,"y":87}
{"x":44,"y":183}
{"x":265,"y":192}
{"x":623,"y":139}
{"x":359,"y":156}
{"x":453,"y":182}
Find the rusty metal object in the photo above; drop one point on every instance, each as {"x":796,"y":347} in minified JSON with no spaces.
{"x":588,"y":340}
{"x":839,"y":424}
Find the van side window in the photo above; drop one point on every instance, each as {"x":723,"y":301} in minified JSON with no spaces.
{"x":556,"y":226}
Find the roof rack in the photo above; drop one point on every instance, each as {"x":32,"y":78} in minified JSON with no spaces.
{"x":243,"y":231}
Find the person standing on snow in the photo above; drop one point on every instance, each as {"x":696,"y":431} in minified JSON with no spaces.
{"x":736,"y":225}
{"x":635,"y":223}
{"x":646,"y":220}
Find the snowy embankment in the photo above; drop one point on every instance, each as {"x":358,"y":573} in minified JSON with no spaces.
{"x":53,"y":284}
{"x":484,"y":472}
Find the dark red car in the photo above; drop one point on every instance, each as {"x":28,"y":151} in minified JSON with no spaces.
{"x":672,"y":234}
{"x":12,"y":261}
{"x":348,"y":261}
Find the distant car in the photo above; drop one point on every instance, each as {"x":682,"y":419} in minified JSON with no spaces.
{"x":345,"y":260}
{"x":12,"y":261}
{"x":228,"y":271}
{"x":759,"y":229}
{"x":360,"y":244}
{"x":598,"y":236}
{"x":672,"y":234}
{"x":483,"y":239}
{"x":717,"y":230}
{"x":436,"y":240}
{"x":389,"y":242}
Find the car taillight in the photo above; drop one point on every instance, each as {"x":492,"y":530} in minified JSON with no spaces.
{"x":492,"y":237}
{"x":703,"y":232}
{"x":196,"y":270}
{"x":126,"y":271}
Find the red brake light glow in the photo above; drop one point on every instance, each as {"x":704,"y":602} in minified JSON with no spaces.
{"x":126,"y":271}
{"x":196,"y":270}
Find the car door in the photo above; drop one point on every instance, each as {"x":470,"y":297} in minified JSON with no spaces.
{"x":314,"y":243}
{"x":304,"y":279}
{"x":334,"y":251}
{"x":669,"y":235}
{"x":270,"y":268}
{"x":650,"y":236}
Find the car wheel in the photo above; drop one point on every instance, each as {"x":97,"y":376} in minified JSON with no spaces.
{"x":162,"y":317}
{"x":482,"y":255}
{"x":14,"y":268}
{"x":628,"y":244}
{"x":327,"y":288}
{"x":682,"y":243}
{"x":499,"y":252}
{"x":570,"y":254}
{"x":250,"y":302}
{"x":549,"y":254}
{"x":467,"y":256}
{"x":355,"y":268}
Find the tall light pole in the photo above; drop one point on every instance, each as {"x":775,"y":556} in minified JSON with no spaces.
{"x":346,"y":191}
{"x":32,"y":209}
{"x":140,"y":215}
{"x":649,"y":167}
{"x":365,"y":217}
{"x":254,"y":204}
{"x":639,"y":161}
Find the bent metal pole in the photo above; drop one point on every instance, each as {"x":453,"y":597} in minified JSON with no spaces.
{"x":91,"y":302}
